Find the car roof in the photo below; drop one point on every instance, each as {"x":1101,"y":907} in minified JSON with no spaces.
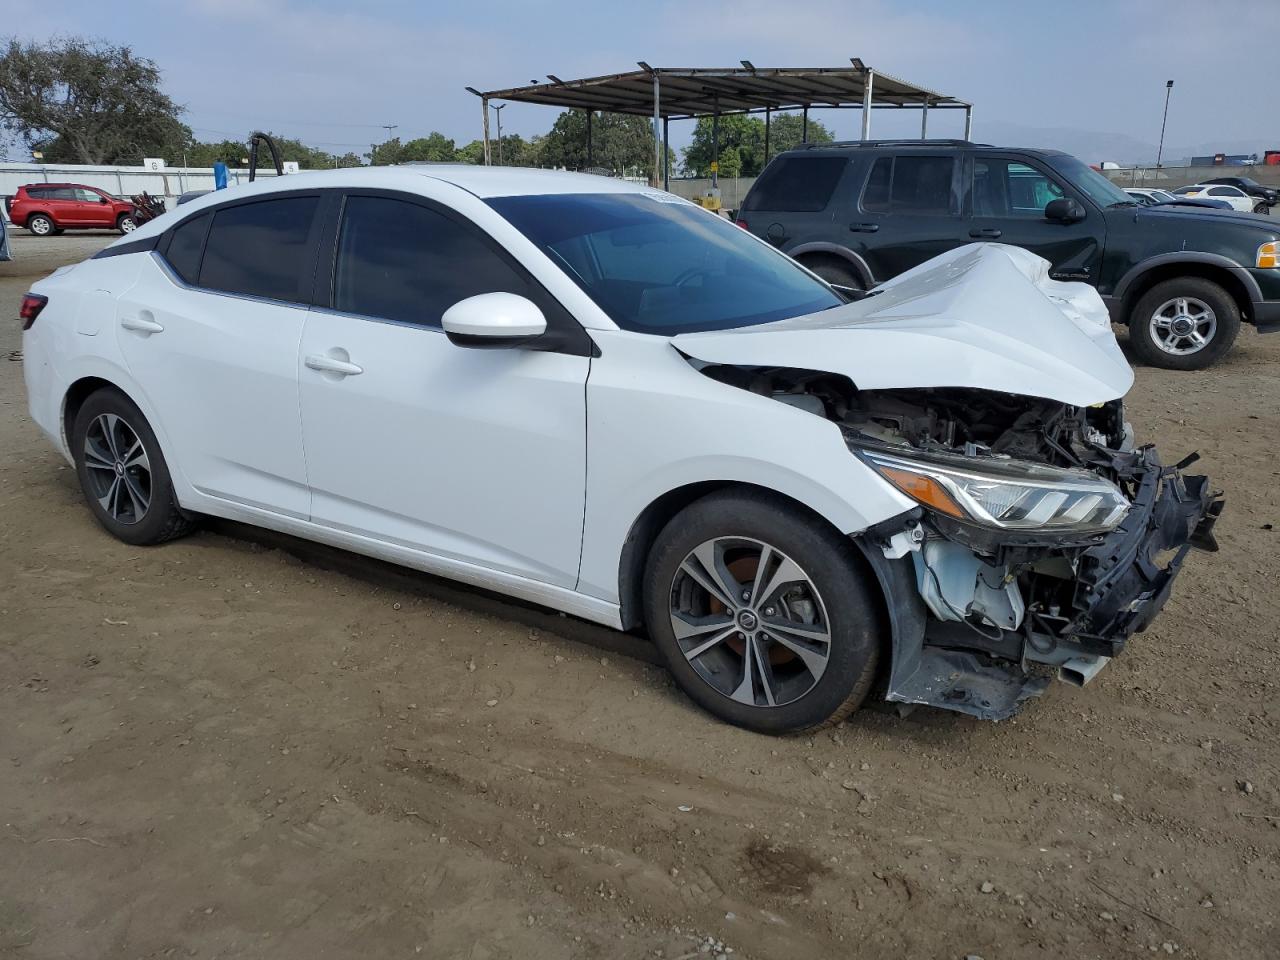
{"x":931,"y":146}
{"x":80,"y":186}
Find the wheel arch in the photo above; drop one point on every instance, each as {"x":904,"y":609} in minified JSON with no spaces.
{"x":810,"y":253}
{"x":1241,"y":287}
{"x":38,"y":213}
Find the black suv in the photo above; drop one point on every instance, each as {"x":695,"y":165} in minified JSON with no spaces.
{"x":1182,"y":280}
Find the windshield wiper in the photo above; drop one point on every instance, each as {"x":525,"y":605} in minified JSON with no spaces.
{"x":1123,"y":203}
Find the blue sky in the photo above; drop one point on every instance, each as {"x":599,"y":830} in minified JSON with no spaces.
{"x":1086,"y":72}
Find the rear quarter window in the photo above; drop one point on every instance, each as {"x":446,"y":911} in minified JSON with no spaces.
{"x":797,"y":184}
{"x":186,"y":245}
{"x":260,"y":249}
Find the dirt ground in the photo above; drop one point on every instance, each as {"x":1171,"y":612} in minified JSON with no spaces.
{"x":236,"y":745}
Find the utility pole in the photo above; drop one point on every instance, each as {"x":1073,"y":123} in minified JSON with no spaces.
{"x":387,"y":127}
{"x":498,"y":112}
{"x":1168,"y":89}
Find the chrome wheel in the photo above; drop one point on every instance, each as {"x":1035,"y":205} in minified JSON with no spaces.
{"x":127,"y":225}
{"x":119,"y":471}
{"x":1183,"y":325}
{"x":41,"y":226}
{"x":750,"y":621}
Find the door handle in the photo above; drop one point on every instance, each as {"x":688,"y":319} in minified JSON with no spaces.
{"x":141,"y":325}
{"x":984,"y":233}
{"x":864,"y":227}
{"x":343,"y":368}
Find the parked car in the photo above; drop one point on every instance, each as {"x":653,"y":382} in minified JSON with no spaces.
{"x":1151,"y":198}
{"x":49,"y":208}
{"x":596,"y":396}
{"x":1269,"y":195}
{"x":1182,"y":280}
{"x":1233,"y":197}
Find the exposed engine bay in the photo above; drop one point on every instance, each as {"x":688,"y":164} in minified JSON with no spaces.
{"x":1044,"y":537}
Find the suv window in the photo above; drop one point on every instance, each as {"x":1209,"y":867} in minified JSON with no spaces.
{"x":910,"y":184}
{"x":796,"y":184}
{"x":401,"y":261}
{"x":1006,"y":188}
{"x":186,"y":244}
{"x":87,"y":196}
{"x":260,"y":249}
{"x":56,"y":193}
{"x":1224,"y":192}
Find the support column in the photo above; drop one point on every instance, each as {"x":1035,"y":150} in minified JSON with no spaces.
{"x":866,"y":105}
{"x":804,"y":126}
{"x":924,"y":120}
{"x":767,"y":112}
{"x":968,"y":123}
{"x":666,"y":157}
{"x":658,"y":144}
{"x":484,"y":107}
{"x":591,"y":156}
{"x":715,"y":145}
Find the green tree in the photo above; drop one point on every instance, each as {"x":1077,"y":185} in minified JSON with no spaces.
{"x":621,"y":144}
{"x":434,"y":147}
{"x":744,"y":136}
{"x":84,"y":101}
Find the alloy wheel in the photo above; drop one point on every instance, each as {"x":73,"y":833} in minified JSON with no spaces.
{"x":41,"y":227}
{"x":1183,"y":325}
{"x":127,"y":225}
{"x":119,"y":470}
{"x":750,"y":621}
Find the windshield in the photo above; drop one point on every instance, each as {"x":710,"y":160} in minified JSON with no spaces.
{"x":1090,"y":182}
{"x":658,"y":264}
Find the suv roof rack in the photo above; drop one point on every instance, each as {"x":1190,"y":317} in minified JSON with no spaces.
{"x":901,"y":142}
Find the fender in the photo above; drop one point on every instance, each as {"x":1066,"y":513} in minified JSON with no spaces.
{"x":1188,"y":256}
{"x":844,"y":253}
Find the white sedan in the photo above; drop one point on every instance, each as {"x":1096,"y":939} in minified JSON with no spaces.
{"x":606,"y":400}
{"x":1236,"y":198}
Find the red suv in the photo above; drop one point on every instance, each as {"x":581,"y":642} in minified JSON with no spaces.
{"x":47,"y":208}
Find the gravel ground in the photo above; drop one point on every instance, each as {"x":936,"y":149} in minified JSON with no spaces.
{"x":237,"y":745}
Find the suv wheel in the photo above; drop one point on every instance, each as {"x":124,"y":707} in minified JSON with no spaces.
{"x":1261,"y":207}
{"x":836,"y":273}
{"x":1184,"y":324}
{"x":763,"y":613}
{"x":123,"y":473}
{"x":40,"y":225}
{"x":126,"y":223}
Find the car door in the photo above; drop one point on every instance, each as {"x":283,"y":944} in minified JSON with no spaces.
{"x":475,"y":455}
{"x":94,"y":208}
{"x":211,"y":330}
{"x":65,"y":207}
{"x":907,"y":212}
{"x":1006,"y":203}
{"x":1238,"y":199}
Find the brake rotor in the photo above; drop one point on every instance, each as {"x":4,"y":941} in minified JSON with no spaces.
{"x":744,"y":570}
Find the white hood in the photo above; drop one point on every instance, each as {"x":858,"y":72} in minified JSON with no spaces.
{"x":985,"y":316}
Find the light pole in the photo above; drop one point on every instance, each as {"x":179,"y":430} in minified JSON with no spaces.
{"x":498,"y":111}
{"x":387,"y":127}
{"x":1168,"y":89}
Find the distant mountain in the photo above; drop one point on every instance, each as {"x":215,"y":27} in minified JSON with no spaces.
{"x":1095,"y":146}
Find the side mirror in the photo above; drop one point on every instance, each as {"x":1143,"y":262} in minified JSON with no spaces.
{"x":1064,"y":210}
{"x":103,"y":200}
{"x":493,"y":321}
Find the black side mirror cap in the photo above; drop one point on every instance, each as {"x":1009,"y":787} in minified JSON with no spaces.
{"x":1064,"y":210}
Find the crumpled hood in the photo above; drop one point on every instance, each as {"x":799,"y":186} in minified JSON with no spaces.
{"x":984,"y":316}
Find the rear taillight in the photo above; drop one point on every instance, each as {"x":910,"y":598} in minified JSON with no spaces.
{"x":741,"y":223}
{"x":32,"y":304}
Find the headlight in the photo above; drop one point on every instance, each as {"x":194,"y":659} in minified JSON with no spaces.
{"x":1269,"y":254}
{"x":1008,"y":496}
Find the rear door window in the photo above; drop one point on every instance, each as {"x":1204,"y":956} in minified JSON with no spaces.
{"x":186,"y":245}
{"x":797,"y":184}
{"x":911,"y":184}
{"x":261,"y":249}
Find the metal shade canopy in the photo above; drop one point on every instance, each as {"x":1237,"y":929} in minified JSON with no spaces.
{"x":677,"y":93}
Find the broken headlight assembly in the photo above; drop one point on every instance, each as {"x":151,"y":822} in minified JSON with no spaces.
{"x":1008,"y":495}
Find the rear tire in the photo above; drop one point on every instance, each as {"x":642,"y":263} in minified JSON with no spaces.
{"x":810,"y":623}
{"x":1199,"y":307}
{"x":837,"y":274}
{"x":40,"y":225}
{"x":122,"y":472}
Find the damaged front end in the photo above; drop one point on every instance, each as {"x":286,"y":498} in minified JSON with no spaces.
{"x":1043,"y":538}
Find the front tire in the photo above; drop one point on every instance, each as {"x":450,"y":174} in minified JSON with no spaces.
{"x":1187,"y":323}
{"x":122,"y":472}
{"x":126,"y":223}
{"x":763,"y":613}
{"x":40,"y":225}
{"x":1261,"y":208}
